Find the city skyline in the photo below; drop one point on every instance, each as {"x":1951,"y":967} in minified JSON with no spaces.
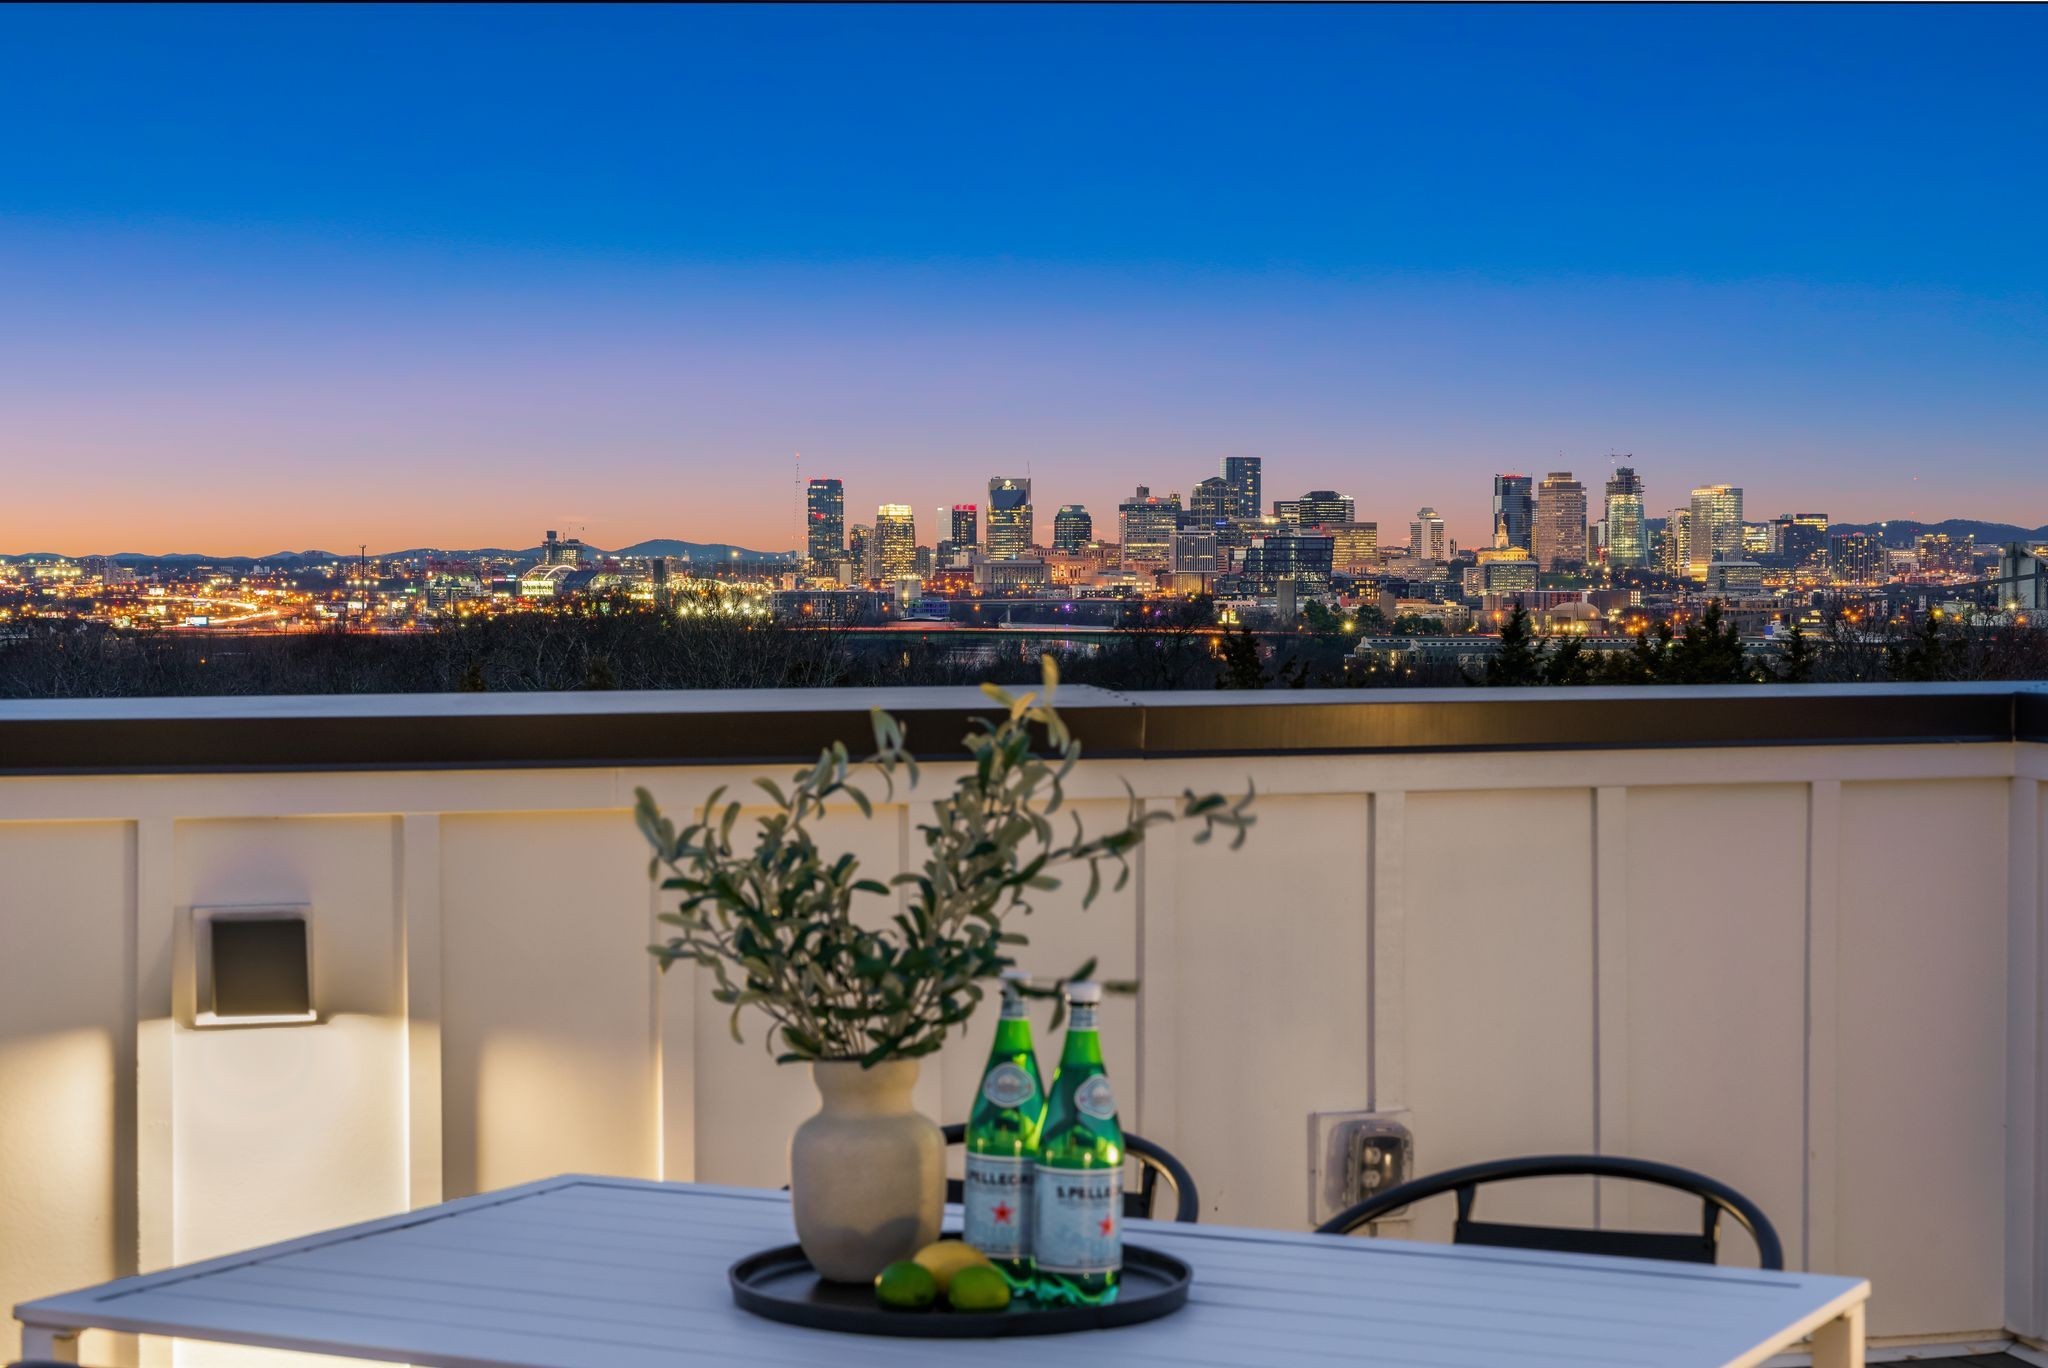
{"x":623,"y":306}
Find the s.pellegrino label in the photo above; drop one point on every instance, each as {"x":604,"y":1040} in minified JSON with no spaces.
{"x":998,"y":1205}
{"x":1077,"y":1221}
{"x":1002,"y":1146}
{"x":1079,"y":1227}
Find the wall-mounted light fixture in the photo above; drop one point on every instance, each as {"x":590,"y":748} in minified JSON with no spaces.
{"x":253,"y":966}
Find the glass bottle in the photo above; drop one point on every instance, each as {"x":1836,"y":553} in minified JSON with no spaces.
{"x":1002,"y":1144}
{"x":1078,"y":1221}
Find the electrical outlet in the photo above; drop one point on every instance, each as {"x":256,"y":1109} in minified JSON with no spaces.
{"x":1353,"y":1155}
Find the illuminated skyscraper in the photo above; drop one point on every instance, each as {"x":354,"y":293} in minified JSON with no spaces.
{"x":1716,"y":527}
{"x":1302,"y":558}
{"x":1514,"y":508}
{"x":1072,"y":528}
{"x":1242,"y":474}
{"x":1559,"y":534}
{"x":1857,"y":558}
{"x":1009,"y":518}
{"x":1800,"y":540}
{"x":1317,"y":508}
{"x":1426,"y":535}
{"x":1627,"y":548}
{"x":1145,"y":526}
{"x":965,"y":530}
{"x":1674,"y":551}
{"x":1211,"y":502}
{"x":860,"y":552}
{"x":1354,"y":548}
{"x":895,"y":541}
{"x":825,"y":510}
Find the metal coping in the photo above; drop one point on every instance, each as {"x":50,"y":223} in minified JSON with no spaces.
{"x":404,"y":733}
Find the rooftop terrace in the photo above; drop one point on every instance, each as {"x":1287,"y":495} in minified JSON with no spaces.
{"x":1791,"y":937}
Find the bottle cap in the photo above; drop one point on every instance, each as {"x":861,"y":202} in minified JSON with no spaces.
{"x":1083,"y":991}
{"x":1014,"y":975}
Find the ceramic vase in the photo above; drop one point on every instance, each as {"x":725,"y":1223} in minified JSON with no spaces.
{"x":867,"y":1174}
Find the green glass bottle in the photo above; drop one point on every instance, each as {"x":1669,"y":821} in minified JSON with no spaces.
{"x":1077,"y":1227}
{"x":1002,"y":1144}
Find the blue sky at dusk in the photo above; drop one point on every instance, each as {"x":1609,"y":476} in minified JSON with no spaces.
{"x":312,"y":277}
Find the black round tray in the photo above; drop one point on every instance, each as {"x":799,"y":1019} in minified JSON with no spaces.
{"x":781,"y":1285}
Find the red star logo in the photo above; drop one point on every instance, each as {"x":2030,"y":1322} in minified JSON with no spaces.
{"x":1002,"y":1213}
{"x":1108,"y":1224}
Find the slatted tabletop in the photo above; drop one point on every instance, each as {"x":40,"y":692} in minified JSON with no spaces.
{"x":578,"y":1272}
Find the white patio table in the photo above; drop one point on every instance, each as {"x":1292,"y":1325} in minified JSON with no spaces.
{"x":577,"y":1272}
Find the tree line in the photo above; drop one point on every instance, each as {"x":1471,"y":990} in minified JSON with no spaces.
{"x":620,"y":644}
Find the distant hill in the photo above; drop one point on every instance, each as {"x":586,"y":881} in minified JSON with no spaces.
{"x":662,"y":546}
{"x":1903,"y":531}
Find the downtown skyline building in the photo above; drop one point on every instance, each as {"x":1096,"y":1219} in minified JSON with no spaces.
{"x":1627,"y":544}
{"x":1072,"y":529}
{"x":1514,"y":510}
{"x":895,"y":541}
{"x":966,"y":525}
{"x":1716,"y":528}
{"x":1009,"y":517}
{"x":1559,"y":532}
{"x":1211,"y":502}
{"x":824,"y":524}
{"x":1426,"y":539}
{"x":1245,"y":476}
{"x":1674,"y":545}
{"x":1145,"y":525}
{"x":1317,"y":508}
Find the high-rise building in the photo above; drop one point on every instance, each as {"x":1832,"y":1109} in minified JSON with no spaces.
{"x":1674,"y":548}
{"x":1009,"y":518}
{"x":1072,"y":528}
{"x":1145,"y":525}
{"x":1211,"y":502}
{"x":860,"y":552}
{"x":1302,"y":558}
{"x":1799,"y":541}
{"x":1192,"y":551}
{"x":1354,"y":548}
{"x":1945,"y":555}
{"x":1514,"y":508}
{"x":1317,"y":508}
{"x":1857,"y":558}
{"x":895,"y":541}
{"x":1716,"y":527}
{"x":1426,"y":535}
{"x":1627,"y":548}
{"x":966,"y":525}
{"x":1559,"y":535}
{"x":1243,"y":475}
{"x":825,"y":524}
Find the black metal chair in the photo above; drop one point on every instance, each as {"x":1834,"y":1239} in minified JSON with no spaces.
{"x":1154,"y":1163}
{"x":1715,"y":1198}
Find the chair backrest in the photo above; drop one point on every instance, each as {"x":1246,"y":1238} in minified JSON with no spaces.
{"x":1154,"y":1163}
{"x":1715,"y":1198}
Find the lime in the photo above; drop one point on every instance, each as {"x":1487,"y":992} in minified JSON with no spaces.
{"x":979,"y":1289}
{"x":946,"y":1258}
{"x":906,"y":1286}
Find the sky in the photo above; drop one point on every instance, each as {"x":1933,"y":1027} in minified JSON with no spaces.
{"x":283,"y":278}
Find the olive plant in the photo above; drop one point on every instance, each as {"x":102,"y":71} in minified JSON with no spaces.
{"x":778,"y":925}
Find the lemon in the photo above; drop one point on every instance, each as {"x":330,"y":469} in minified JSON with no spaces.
{"x":906,"y":1286}
{"x":979,"y":1289}
{"x":945,"y":1259}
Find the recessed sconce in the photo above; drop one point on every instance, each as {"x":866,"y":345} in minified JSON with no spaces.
{"x":253,"y":966}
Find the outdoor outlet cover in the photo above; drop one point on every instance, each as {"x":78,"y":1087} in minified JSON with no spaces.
{"x":1353,"y":1155}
